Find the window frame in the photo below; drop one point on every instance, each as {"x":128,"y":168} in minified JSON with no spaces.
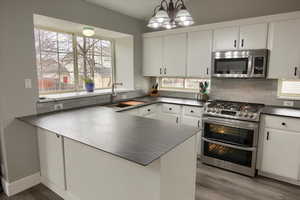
{"x":281,"y":95}
{"x":75,"y":59}
{"x":184,"y":89}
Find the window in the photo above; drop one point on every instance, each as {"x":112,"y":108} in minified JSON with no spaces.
{"x":181,"y":83}
{"x":64,"y":60}
{"x":289,"y":89}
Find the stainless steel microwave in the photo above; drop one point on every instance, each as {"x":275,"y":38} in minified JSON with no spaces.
{"x":240,"y":63}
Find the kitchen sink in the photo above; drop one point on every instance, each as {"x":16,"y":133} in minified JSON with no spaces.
{"x":125,"y":104}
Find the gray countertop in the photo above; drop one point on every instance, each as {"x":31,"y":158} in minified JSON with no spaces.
{"x":136,"y":139}
{"x":281,"y":111}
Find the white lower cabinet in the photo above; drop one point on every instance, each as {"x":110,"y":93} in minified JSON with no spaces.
{"x":197,"y":123}
{"x":52,"y":161}
{"x":279,"y":150}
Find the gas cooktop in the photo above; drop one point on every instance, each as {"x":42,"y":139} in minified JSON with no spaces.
{"x":234,"y":110}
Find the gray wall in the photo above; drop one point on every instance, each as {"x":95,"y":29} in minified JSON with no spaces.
{"x":17,"y":61}
{"x":211,"y":11}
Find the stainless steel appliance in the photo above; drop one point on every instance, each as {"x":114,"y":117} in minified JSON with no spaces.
{"x":230,"y":136}
{"x":240,"y":63}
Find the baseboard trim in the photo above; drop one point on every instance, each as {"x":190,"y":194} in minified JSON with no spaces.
{"x":21,"y":184}
{"x":279,"y":178}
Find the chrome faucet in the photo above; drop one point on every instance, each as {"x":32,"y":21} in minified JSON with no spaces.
{"x":113,"y":89}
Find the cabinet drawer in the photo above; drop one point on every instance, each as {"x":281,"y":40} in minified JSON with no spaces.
{"x":170,"y":108}
{"x":283,"y":123}
{"x":147,"y":110}
{"x":193,"y":111}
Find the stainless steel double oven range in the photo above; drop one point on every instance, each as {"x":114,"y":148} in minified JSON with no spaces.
{"x":230,"y":136}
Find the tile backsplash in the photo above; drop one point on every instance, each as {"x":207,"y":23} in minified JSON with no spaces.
{"x":245,"y":90}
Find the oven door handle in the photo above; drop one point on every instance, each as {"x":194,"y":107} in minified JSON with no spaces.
{"x":230,"y":145}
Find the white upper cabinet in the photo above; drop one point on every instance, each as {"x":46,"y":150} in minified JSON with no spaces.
{"x":253,"y":36}
{"x":226,"y":38}
{"x":174,"y":59}
{"x":199,"y":54}
{"x":153,"y":56}
{"x":284,"y":43}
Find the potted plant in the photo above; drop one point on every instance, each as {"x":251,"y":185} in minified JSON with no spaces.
{"x":89,"y":84}
{"x":203,"y":91}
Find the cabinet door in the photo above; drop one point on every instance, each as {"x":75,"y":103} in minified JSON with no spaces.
{"x":175,"y":55}
{"x":194,"y":122}
{"x":152,"y":56}
{"x":285,"y":49}
{"x":254,"y":36}
{"x":171,"y":118}
{"x":280,"y":153}
{"x":51,"y":159}
{"x":199,"y":54}
{"x":226,"y":38}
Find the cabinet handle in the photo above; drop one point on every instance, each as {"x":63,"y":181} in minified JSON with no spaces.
{"x":160,"y":71}
{"x":198,"y":123}
{"x":170,"y":108}
{"x":234,"y":44}
{"x":283,"y":123}
{"x":177,"y":120}
{"x":268,"y":135}
{"x":295,"y":72}
{"x":165,"y":70}
{"x":207,"y":70}
{"x":242,"y":43}
{"x":57,"y":136}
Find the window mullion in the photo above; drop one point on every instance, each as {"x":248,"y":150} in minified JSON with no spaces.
{"x":75,"y":56}
{"x":59,"y":66}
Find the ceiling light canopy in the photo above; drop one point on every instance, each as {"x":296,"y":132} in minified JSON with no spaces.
{"x":88,"y":31}
{"x":169,"y":15}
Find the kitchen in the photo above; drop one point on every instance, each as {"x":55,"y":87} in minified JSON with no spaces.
{"x":249,"y":58}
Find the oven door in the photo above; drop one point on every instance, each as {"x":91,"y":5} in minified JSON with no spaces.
{"x":227,"y":156}
{"x":235,"y":132}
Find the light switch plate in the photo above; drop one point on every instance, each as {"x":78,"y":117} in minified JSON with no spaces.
{"x":28,"y":83}
{"x":288,"y":103}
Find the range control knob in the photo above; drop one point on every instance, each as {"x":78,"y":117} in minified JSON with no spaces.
{"x":246,"y":115}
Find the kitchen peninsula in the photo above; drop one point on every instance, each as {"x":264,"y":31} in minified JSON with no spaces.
{"x":95,"y":152}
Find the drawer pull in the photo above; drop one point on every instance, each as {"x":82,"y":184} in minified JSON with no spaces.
{"x":268,"y":136}
{"x":149,"y":110}
{"x":192,"y":111}
{"x":283,"y":124}
{"x":170,"y":108}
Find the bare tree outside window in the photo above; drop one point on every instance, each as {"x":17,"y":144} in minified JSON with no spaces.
{"x":64,"y":60}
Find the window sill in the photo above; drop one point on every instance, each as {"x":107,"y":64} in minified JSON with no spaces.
{"x":288,"y":98}
{"x":177,"y":90}
{"x":76,"y":95}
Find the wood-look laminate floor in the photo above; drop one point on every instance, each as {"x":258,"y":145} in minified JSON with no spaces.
{"x":212,"y":184}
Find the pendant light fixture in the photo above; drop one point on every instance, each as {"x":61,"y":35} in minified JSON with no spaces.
{"x":169,"y":15}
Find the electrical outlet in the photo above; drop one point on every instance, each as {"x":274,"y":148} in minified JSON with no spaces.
{"x":28,"y":83}
{"x":59,"y":106}
{"x":288,"y":103}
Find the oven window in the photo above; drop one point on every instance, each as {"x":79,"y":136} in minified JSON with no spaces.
{"x":229,"y":154}
{"x":231,"y":66}
{"x":232,"y":135}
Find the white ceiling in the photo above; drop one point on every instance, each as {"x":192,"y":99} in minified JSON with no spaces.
{"x":140,"y":9}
